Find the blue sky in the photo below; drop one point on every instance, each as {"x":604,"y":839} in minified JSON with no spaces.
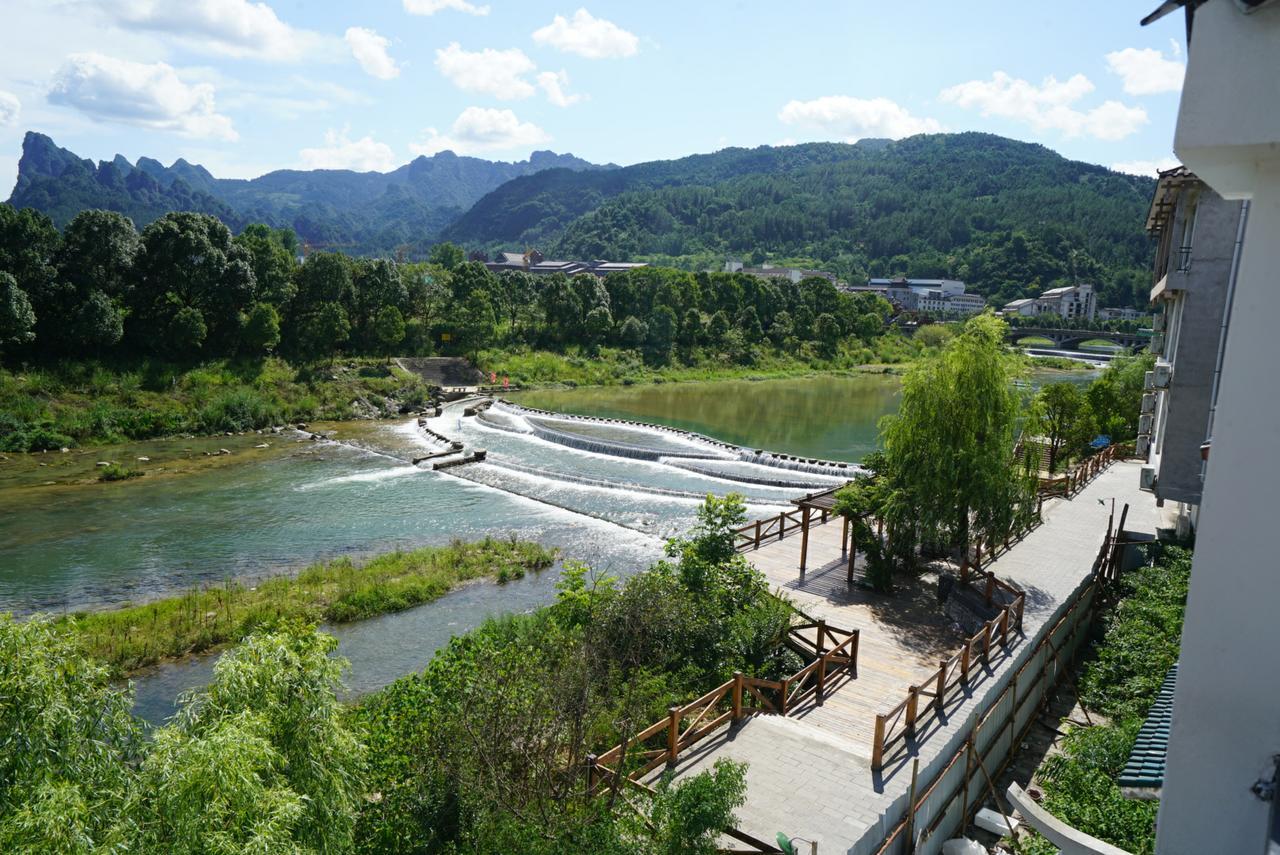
{"x":247,"y":86}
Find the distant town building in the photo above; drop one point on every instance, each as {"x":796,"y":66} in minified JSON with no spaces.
{"x":768,"y":271}
{"x":943,"y":297}
{"x":534,"y":262}
{"x":1071,"y":302}
{"x":1121,"y":314}
{"x":1195,"y":274}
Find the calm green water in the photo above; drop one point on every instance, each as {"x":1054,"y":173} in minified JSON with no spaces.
{"x":833,"y":418}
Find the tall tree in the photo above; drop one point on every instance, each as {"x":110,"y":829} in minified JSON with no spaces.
{"x":950,"y":446}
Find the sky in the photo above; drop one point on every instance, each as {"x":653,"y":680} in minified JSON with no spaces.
{"x":247,"y":86}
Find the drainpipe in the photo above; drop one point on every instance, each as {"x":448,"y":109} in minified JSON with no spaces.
{"x":1226,"y":325}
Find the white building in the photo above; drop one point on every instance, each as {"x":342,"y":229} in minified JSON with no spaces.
{"x":945,"y":297}
{"x":1219,"y":785}
{"x":1121,"y":314}
{"x":1070,"y":302}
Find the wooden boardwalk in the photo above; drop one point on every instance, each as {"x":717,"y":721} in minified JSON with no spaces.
{"x":809,"y":772}
{"x":903,"y":634}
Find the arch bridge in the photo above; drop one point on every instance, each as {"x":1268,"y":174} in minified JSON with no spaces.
{"x":1072,"y":339}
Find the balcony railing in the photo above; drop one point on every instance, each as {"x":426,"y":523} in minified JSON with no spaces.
{"x":1184,"y":259}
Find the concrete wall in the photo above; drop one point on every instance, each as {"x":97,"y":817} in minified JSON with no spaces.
{"x":1192,"y":333}
{"x":1226,"y":715}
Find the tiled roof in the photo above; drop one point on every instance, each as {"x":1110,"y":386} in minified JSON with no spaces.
{"x":1143,"y":775}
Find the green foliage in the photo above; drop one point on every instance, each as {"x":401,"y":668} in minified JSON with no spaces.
{"x":335,"y":591}
{"x":470,"y":756}
{"x":1115,"y":397}
{"x":116,"y":472}
{"x":446,"y":255}
{"x":1142,"y":635}
{"x":67,"y":742}
{"x":949,"y":449}
{"x":261,"y":331}
{"x":17,"y":319}
{"x":1060,"y":414}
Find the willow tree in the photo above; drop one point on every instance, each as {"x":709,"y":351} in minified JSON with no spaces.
{"x":949,"y":449}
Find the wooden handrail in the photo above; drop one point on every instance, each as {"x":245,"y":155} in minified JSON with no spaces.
{"x":688,"y":724}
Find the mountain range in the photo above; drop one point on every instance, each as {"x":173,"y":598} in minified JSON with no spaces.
{"x":1008,"y":217}
{"x":364,"y":212}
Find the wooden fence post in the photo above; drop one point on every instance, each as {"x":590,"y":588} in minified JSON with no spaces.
{"x":877,"y":744}
{"x":940,"y":700}
{"x":821,"y":677}
{"x":737,"y":695}
{"x":913,"y":700}
{"x":673,"y":734}
{"x":1004,"y":627}
{"x":991,"y":587}
{"x":911,"y":807}
{"x":853,"y":651}
{"x":757,"y":534}
{"x":964,"y":662}
{"x":822,"y":633}
{"x":591,"y":773}
{"x":782,"y":702}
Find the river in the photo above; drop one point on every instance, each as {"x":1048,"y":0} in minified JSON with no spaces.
{"x":265,"y":510}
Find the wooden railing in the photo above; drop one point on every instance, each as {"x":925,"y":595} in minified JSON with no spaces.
{"x":952,"y":673}
{"x":1072,"y":481}
{"x":834,"y":651}
{"x":751,"y":535}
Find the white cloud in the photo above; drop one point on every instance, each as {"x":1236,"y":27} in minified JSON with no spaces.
{"x":499,"y":73}
{"x":480,"y":129}
{"x":553,"y":83}
{"x":10,"y":107}
{"x":430,"y":7}
{"x":1047,"y":106}
{"x":370,"y":50}
{"x":150,"y":95}
{"x":341,"y":152}
{"x":1145,"y":71}
{"x":855,"y":118}
{"x":1145,"y":167}
{"x":236,"y":28}
{"x":588,"y":36}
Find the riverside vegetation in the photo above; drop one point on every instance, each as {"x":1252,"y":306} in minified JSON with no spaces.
{"x":480,"y":753}
{"x":1120,"y":679}
{"x":334,"y":591}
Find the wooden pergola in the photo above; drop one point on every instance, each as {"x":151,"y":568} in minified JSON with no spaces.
{"x":824,"y":503}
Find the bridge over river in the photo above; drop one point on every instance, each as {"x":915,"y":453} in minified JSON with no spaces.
{"x":1072,"y":339}
{"x":813,"y":771}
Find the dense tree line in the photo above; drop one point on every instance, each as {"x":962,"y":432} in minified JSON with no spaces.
{"x":1010,"y":218}
{"x":185,"y":288}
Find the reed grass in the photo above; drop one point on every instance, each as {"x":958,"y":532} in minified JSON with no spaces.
{"x":334,"y":591}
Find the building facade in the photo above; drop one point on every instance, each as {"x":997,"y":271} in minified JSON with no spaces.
{"x":943,"y":297}
{"x":1198,"y":235}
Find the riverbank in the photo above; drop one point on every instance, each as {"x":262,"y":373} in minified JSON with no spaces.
{"x":337,"y":591}
{"x":80,"y":404}
{"x":618,"y":367}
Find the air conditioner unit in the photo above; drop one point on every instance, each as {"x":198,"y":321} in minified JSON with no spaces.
{"x":1147,"y":478}
{"x":1146,"y":423}
{"x":1149,"y":401}
{"x":1142,"y":447}
{"x":1157,"y":322}
{"x":1148,"y":381}
{"x":1157,"y":343}
{"x":1161,"y":375}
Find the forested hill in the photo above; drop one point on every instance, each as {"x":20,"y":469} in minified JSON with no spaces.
{"x":1008,"y":217}
{"x":365,"y":212}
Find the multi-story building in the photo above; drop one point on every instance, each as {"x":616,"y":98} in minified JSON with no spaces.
{"x":533,"y":262}
{"x":768,"y":271}
{"x":1072,"y":302}
{"x":945,"y":297}
{"x":1121,"y":314}
{"x":1199,"y":234}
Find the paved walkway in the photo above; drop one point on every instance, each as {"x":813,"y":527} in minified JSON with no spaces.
{"x":810,"y":775}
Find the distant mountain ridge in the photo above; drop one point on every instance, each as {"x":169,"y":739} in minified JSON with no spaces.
{"x":368,"y":212}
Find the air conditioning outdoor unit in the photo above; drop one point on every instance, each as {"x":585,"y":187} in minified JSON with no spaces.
{"x":1157,"y":322}
{"x":1149,"y":401}
{"x":1146,"y":423}
{"x":1142,"y":447}
{"x":1160,"y":375}
{"x":1157,"y":343}
{"x":1147,"y":478}
{"x":1148,"y":381}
